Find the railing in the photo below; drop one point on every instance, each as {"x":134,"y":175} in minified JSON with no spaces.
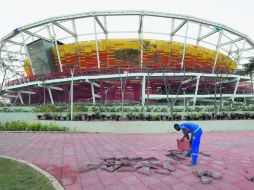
{"x":107,"y":71}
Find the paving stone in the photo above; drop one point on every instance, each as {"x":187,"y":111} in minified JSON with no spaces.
{"x":150,"y":159}
{"x":206,"y":180}
{"x":175,"y":157}
{"x":103,"y":167}
{"x":117,"y":186}
{"x":145,"y":171}
{"x":159,"y":186}
{"x":138,"y":186}
{"x":150,"y":165}
{"x":97,"y":186}
{"x":181,"y":186}
{"x":109,"y":180}
{"x":168,"y":166}
{"x":224,"y":185}
{"x":47,"y":150}
{"x":244,"y":185}
{"x":157,"y":163}
{"x":110,"y":169}
{"x":130,"y":180}
{"x":200,"y":186}
{"x":200,"y":172}
{"x":68,"y":181}
{"x":162,"y":171}
{"x":75,"y":186}
{"x":126,"y":162}
{"x":88,"y":168}
{"x":122,"y":158}
{"x":127,"y":169}
{"x":249,"y":177}
{"x":108,"y":158}
{"x":216,"y":175}
{"x":189,"y":179}
{"x":136,"y":159}
{"x":138,"y":165}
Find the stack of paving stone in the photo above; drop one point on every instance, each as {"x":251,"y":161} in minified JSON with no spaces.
{"x":207,"y":176}
{"x":250,"y":176}
{"x":145,"y":166}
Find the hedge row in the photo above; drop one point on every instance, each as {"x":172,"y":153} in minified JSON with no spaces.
{"x":34,"y":126}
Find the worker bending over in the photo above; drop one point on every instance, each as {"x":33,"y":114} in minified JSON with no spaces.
{"x":196,"y":133}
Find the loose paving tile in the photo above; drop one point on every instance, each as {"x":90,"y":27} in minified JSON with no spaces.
{"x":66,"y":157}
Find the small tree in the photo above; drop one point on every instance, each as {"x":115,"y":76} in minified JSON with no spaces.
{"x":129,"y":55}
{"x":4,"y":67}
{"x":248,"y":70}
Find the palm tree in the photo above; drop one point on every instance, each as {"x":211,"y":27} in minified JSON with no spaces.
{"x":248,"y":69}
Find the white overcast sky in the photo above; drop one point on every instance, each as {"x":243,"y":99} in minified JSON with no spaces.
{"x":237,"y":14}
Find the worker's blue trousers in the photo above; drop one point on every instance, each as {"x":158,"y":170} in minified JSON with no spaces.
{"x":195,"y":146}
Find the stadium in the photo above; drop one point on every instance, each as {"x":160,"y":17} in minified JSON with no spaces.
{"x":132,"y":56}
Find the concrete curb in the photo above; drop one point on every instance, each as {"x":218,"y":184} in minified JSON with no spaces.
{"x":56,"y":185}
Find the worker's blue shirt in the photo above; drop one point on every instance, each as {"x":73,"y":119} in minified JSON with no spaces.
{"x":191,"y":126}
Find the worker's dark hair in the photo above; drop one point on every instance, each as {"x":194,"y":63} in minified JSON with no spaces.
{"x":176,"y":126}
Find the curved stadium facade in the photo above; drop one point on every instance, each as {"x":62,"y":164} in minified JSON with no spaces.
{"x":191,"y":60}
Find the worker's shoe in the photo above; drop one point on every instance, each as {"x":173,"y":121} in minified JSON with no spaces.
{"x":191,"y":164}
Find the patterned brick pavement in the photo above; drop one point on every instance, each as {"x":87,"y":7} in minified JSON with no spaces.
{"x":63,"y":154}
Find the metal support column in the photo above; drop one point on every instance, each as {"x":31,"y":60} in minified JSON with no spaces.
{"x":172,"y":28}
{"x":20,"y":97}
{"x":184,"y":100}
{"x":74,"y":29}
{"x":93,"y":96}
{"x":196,"y":91}
{"x":143,"y":90}
{"x":26,"y":51}
{"x":29,"y":99}
{"x":184,"y":45}
{"x":199,"y":34}
{"x":56,"y":45}
{"x":50,"y":95}
{"x":217,"y":50}
{"x":96,"y":43}
{"x":236,"y":87}
{"x":72,"y":73}
{"x":141,"y":38}
{"x":105,"y":25}
{"x":240,"y":55}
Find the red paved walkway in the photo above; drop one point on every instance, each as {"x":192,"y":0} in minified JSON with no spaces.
{"x":62,"y":155}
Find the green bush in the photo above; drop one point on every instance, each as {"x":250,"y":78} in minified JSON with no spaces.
{"x":126,"y":109}
{"x":7,"y":109}
{"x":102,"y":109}
{"x":34,"y":126}
{"x":149,"y":109}
{"x":95,"y":109}
{"x":135,"y":109}
{"x":80,"y":108}
{"x":164,"y":109}
{"x":49,"y":108}
{"x":114,"y":109}
{"x":156,"y":109}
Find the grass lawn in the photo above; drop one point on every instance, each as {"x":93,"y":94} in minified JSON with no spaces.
{"x":19,"y":176}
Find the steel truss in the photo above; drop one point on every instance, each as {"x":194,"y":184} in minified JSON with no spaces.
{"x":93,"y":81}
{"x":238,"y":46}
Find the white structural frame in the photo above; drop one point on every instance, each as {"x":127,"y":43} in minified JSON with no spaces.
{"x":238,"y":45}
{"x":142,"y":76}
{"x":11,"y":39}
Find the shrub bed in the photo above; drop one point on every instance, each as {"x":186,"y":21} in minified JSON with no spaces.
{"x":34,"y":126}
